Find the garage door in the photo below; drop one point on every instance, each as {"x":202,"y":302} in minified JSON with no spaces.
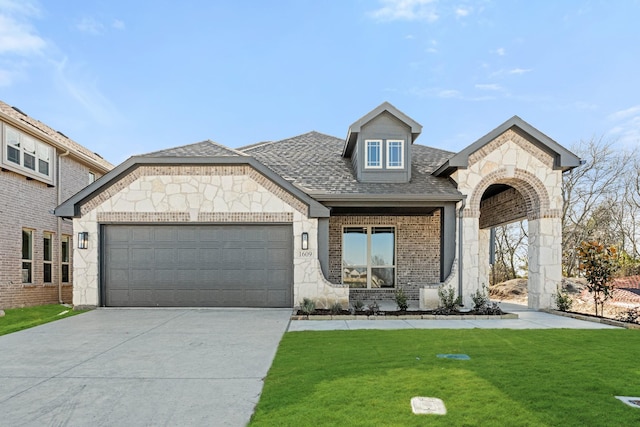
{"x":197,"y":265}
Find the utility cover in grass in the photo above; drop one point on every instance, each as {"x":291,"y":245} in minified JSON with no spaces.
{"x":428,"y":405}
{"x":454,"y":356}
{"x":631,"y":401}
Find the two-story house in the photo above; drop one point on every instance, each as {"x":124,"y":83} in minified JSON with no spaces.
{"x":320,"y":217}
{"x":39,"y":169}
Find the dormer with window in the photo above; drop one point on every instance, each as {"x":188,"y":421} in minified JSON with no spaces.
{"x":26,"y":155}
{"x":379,"y":145}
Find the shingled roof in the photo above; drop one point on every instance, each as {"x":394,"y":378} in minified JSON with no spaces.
{"x":16,"y":117}
{"x":313,"y":162}
{"x":206,"y":148}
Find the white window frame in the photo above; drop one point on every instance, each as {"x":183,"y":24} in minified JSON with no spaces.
{"x":65,"y":261}
{"x":389,"y":144}
{"x":369,"y":267}
{"x":47,"y":263}
{"x":42,"y":152}
{"x":92,"y":177}
{"x":26,"y":261}
{"x":366,"y":153}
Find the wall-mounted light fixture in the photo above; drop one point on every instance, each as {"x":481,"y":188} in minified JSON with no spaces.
{"x":83,"y":240}
{"x":305,"y":241}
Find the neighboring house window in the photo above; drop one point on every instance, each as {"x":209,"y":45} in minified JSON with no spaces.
{"x":373,"y":154}
{"x":27,"y":256}
{"x":23,"y":153}
{"x":395,"y":154}
{"x":65,"y":247}
{"x":47,"y":256}
{"x":92,"y":177}
{"x":368,"y":257}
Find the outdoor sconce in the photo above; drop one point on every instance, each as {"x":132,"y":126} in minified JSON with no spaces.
{"x":83,"y":240}
{"x":305,"y":241}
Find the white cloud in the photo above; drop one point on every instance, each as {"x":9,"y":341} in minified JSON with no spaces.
{"x":23,"y":7}
{"x":75,"y":82}
{"x":17,"y":36}
{"x":19,"y":41}
{"x":461,"y":11}
{"x":90,"y":26}
{"x":449,"y":93}
{"x":623,"y":114}
{"x":118,"y":24}
{"x":519,"y":71}
{"x":500,"y":51}
{"x":433,"y":46}
{"x":626,"y":128}
{"x":406,"y":10}
{"x":489,"y":86}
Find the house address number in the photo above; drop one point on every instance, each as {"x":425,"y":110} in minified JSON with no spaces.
{"x":305,"y":254}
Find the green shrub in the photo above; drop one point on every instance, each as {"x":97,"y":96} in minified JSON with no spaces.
{"x":563,"y":300}
{"x":480,"y":299}
{"x":401,"y":300}
{"x":335,"y":308}
{"x":374,"y":307}
{"x":308,"y":306}
{"x":448,"y":301}
{"x":358,"y":305}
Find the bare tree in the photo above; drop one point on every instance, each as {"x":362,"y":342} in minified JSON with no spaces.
{"x":510,"y":251}
{"x":592,"y":195}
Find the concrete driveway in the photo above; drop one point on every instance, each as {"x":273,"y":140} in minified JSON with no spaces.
{"x":139,"y":367}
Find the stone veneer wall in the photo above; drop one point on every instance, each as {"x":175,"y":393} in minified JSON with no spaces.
{"x":417,"y":252}
{"x":201,"y":194}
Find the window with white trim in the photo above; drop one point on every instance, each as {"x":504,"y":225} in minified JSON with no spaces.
{"x":65,"y":247}
{"x":47,"y":257}
{"x":92,"y":177}
{"x":368,"y":257}
{"x":373,"y":154}
{"x":27,"y":256}
{"x":24,"y":154}
{"x":395,"y":154}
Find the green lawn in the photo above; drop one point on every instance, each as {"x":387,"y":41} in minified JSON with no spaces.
{"x":514,"y":378}
{"x":16,"y":319}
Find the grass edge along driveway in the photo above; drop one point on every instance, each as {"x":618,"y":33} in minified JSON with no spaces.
{"x":553,"y":377}
{"x":17,"y":319}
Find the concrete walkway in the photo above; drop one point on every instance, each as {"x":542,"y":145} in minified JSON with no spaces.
{"x":527,"y":319}
{"x":139,"y":367}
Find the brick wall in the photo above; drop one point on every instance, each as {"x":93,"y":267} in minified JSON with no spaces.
{"x":28,"y":204}
{"x":503,"y":208}
{"x":417,"y":252}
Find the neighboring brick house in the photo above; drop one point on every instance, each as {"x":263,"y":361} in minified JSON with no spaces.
{"x":39,"y":169}
{"x":318,"y":217}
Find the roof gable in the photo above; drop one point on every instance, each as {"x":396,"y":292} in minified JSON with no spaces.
{"x":71,"y":207}
{"x":356,"y":127}
{"x":206,"y":148}
{"x":15,"y":117}
{"x":563,"y":158}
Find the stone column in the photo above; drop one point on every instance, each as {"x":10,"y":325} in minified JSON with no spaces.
{"x":483,"y":258}
{"x":470,"y":255}
{"x":545,"y":261}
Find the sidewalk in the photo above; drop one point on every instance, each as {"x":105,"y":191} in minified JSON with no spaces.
{"x":527,"y":319}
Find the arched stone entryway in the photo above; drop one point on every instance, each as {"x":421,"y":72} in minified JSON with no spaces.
{"x":504,"y":196}
{"x":514,"y":156}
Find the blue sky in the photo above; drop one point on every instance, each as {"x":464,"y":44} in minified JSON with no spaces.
{"x":125,"y":77}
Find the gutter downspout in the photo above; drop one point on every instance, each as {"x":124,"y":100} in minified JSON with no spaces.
{"x":460,"y":263}
{"x":59,"y":225}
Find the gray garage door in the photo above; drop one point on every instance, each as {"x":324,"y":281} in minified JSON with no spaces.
{"x":197,"y":265}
